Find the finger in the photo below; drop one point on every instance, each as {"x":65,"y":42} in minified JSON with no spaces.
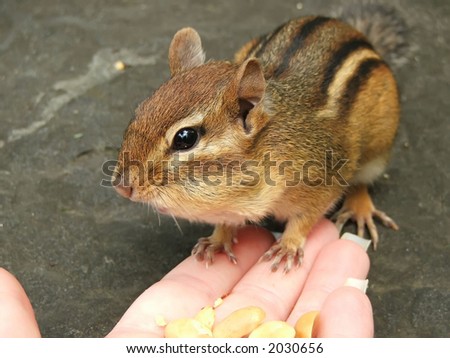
{"x":190,"y":286}
{"x":337,"y":261}
{"x":277,"y":292}
{"x":346,"y":312}
{"x":16,"y":314}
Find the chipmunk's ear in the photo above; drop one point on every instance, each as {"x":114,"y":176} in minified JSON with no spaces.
{"x":185,"y":51}
{"x":250,"y":86}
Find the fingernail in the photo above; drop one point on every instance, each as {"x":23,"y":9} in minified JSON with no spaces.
{"x":357,"y":283}
{"x":357,"y":240}
{"x":277,"y":234}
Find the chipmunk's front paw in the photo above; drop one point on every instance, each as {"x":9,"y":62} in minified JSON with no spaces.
{"x":278,"y":252}
{"x":207,"y":247}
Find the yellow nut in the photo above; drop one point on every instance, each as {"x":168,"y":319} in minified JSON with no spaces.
{"x":304,"y":325}
{"x":206,"y":316}
{"x":186,"y":328}
{"x":218,"y":302}
{"x":160,"y":321}
{"x":119,"y":65}
{"x":239,"y":323}
{"x":273,"y":329}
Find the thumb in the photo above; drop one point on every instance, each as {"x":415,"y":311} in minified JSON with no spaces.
{"x":16,"y":314}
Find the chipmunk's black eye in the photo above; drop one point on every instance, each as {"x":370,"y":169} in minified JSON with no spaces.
{"x":185,"y":138}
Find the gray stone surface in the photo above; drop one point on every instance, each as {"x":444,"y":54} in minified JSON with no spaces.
{"x":84,"y":254}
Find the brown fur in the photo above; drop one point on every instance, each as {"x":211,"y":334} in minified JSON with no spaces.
{"x":307,"y":96}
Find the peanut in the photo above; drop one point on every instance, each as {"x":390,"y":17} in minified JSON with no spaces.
{"x":304,"y":325}
{"x":273,"y":329}
{"x":160,"y":321}
{"x":119,"y":65}
{"x":218,"y":302}
{"x":186,"y":328}
{"x":206,"y":316}
{"x":239,"y":323}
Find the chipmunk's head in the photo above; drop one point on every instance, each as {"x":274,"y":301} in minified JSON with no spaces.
{"x":188,"y":151}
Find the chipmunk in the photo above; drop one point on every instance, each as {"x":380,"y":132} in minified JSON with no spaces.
{"x":303,"y":116}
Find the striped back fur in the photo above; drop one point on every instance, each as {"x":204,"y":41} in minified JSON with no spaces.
{"x":331,"y":58}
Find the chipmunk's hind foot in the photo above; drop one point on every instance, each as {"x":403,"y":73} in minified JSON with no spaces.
{"x":358,"y":206}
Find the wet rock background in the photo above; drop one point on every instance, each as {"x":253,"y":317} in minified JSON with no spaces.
{"x":84,"y":254}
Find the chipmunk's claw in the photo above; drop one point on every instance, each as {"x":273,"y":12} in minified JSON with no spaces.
{"x":205,"y":250}
{"x":278,"y":252}
{"x":358,"y":206}
{"x":362,"y":220}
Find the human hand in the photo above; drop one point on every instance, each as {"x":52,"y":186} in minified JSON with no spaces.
{"x":316,"y":285}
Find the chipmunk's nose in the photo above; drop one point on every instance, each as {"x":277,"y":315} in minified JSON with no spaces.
{"x":124,"y":190}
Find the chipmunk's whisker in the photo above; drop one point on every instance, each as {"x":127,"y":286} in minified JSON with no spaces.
{"x":176,"y":223}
